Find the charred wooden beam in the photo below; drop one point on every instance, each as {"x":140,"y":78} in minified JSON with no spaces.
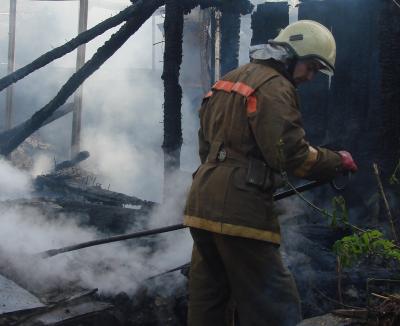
{"x":389,"y":60}
{"x":68,"y":47}
{"x":64,"y":185}
{"x":173,"y":29}
{"x":62,"y":111}
{"x":86,"y":37}
{"x":137,"y":15}
{"x":11,"y":139}
{"x":81,"y":156}
{"x":109,"y":219}
{"x":230,"y":32}
{"x":11,"y":63}
{"x":267,"y":20}
{"x":116,"y":238}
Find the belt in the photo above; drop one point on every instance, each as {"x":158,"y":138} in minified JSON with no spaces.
{"x":258,"y":172}
{"x":220,"y":154}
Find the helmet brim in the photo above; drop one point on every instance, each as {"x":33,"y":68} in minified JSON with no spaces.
{"x":326,"y":69}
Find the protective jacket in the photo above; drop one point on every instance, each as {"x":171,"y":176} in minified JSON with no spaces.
{"x":250,"y":126}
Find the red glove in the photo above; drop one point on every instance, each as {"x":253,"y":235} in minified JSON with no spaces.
{"x":348,"y":163}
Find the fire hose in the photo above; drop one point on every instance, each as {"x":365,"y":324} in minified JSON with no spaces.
{"x":278,"y":196}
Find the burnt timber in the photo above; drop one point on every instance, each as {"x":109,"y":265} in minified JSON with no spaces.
{"x":173,"y":29}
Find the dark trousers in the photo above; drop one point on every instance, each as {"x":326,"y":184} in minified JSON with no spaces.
{"x":247,"y":272}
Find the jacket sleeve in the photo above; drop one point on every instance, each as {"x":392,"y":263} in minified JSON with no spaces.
{"x":278,"y":130}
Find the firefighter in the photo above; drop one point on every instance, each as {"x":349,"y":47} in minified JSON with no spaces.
{"x":250,"y":133}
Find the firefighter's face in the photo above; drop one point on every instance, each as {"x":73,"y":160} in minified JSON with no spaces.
{"x":305,"y":70}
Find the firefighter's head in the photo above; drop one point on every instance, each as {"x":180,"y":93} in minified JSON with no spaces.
{"x":313,"y":47}
{"x":305,"y":69}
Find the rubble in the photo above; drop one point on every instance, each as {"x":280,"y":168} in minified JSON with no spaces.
{"x":22,"y":157}
{"x":76,"y":184}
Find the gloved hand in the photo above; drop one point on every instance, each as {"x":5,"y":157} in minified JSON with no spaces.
{"x":348,"y":163}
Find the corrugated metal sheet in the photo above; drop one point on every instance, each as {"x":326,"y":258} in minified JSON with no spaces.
{"x":15,"y":298}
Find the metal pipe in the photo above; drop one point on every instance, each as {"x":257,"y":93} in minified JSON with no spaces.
{"x":53,"y":252}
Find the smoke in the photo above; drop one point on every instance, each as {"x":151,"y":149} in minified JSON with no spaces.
{"x":111,"y":268}
{"x":291,"y":207}
{"x":26,"y":230}
{"x":42,"y":164}
{"x":123,"y":132}
{"x":13,"y":183}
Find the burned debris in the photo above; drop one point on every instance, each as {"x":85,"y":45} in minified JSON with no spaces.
{"x":230,"y":33}
{"x":364,"y":90}
{"x":173,"y":30}
{"x":11,"y":139}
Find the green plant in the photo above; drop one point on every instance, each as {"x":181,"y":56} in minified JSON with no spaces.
{"x":362,"y":243}
{"x":351,"y":249}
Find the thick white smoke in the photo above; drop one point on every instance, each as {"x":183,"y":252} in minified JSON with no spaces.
{"x":123,"y":266}
{"x":13,"y":183}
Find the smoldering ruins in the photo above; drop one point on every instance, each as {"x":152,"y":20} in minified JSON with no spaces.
{"x":98,"y":144}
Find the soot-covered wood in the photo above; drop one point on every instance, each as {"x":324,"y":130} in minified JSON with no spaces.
{"x":173,"y":29}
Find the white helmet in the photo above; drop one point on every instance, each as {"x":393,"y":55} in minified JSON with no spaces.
{"x":310,"y":39}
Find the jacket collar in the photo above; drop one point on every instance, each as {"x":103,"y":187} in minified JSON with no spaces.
{"x":278,"y":66}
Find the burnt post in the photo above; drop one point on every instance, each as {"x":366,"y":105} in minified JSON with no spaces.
{"x":80,"y":60}
{"x":230,"y":32}
{"x":229,"y":38}
{"x":267,"y":20}
{"x":11,"y":63}
{"x":173,"y":31}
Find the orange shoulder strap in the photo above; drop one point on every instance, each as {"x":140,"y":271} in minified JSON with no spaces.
{"x":239,"y":88}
